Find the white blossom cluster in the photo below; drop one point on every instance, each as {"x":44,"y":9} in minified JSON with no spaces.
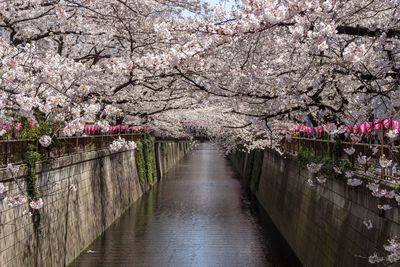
{"x":73,"y":127}
{"x":16,"y":200}
{"x":384,"y":162}
{"x":36,"y":204}
{"x":45,"y":140}
{"x":354,"y":182}
{"x":350,"y":151}
{"x":121,"y":144}
{"x":3,"y":191}
{"x":314,"y":167}
{"x":363,"y":159}
{"x":393,"y":250}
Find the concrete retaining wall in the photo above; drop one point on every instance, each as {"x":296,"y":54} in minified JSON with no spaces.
{"x":323,"y":224}
{"x":168,"y":154}
{"x":83,"y":194}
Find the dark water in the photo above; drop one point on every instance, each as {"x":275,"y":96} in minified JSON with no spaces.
{"x":198,"y":216}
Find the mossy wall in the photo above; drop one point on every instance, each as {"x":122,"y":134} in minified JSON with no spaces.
{"x":168,"y":154}
{"x":249,"y":165}
{"x":155,"y":158}
{"x":146,"y":162}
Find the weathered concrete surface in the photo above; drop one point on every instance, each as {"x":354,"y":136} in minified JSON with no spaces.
{"x":106,"y":185}
{"x":323,"y":224}
{"x":168,"y":154}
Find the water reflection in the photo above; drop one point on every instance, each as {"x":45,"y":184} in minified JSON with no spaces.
{"x":198,"y":216}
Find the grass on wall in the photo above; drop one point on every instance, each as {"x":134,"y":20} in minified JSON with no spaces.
{"x":148,"y":150}
{"x":140,"y":164}
{"x":145,"y":162}
{"x":32,"y":156}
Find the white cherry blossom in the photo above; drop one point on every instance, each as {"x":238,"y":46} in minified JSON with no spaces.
{"x":390,"y":194}
{"x":130,"y":145}
{"x":16,"y":200}
{"x":3,"y":188}
{"x":354,"y":182}
{"x":45,"y":140}
{"x":310,"y":182}
{"x":384,"y":162}
{"x":117,"y":145}
{"x":36,"y":204}
{"x":13,"y":169}
{"x":349,"y":174}
{"x":368,"y":224}
{"x":393,"y":133}
{"x":350,"y":151}
{"x":394,"y":250}
{"x":384,"y":207}
{"x":363,"y":159}
{"x":374,"y":258}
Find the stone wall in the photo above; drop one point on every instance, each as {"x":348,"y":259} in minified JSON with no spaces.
{"x":83,"y":194}
{"x":168,"y":154}
{"x":323,"y":224}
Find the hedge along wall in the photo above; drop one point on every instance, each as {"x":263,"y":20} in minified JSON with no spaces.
{"x":146,"y":162}
{"x":83,"y":194}
{"x":323,"y":224}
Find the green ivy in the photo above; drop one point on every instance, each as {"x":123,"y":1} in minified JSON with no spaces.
{"x":45,"y":126}
{"x":32,"y":156}
{"x":304,"y":157}
{"x":140,"y":164}
{"x":397,"y":188}
{"x":145,"y":162}
{"x":149,"y":159}
{"x":327,"y":167}
{"x":29,"y":133}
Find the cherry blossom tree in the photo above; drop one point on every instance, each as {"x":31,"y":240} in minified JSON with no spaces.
{"x":283,"y":60}
{"x":250,"y":72}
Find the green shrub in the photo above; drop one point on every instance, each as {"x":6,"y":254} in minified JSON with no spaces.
{"x":44,"y":127}
{"x":149,"y":157}
{"x":32,"y":156}
{"x":145,"y":162}
{"x":345,"y":165}
{"x":304,"y":157}
{"x":327,"y":168}
{"x":397,"y":188}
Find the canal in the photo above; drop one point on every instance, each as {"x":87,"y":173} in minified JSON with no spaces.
{"x":199,"y":215}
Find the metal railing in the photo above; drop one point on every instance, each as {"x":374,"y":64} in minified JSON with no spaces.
{"x":14,"y":151}
{"x":326,"y":148}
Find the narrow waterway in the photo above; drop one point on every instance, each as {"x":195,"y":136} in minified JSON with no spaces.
{"x":198,"y":216}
